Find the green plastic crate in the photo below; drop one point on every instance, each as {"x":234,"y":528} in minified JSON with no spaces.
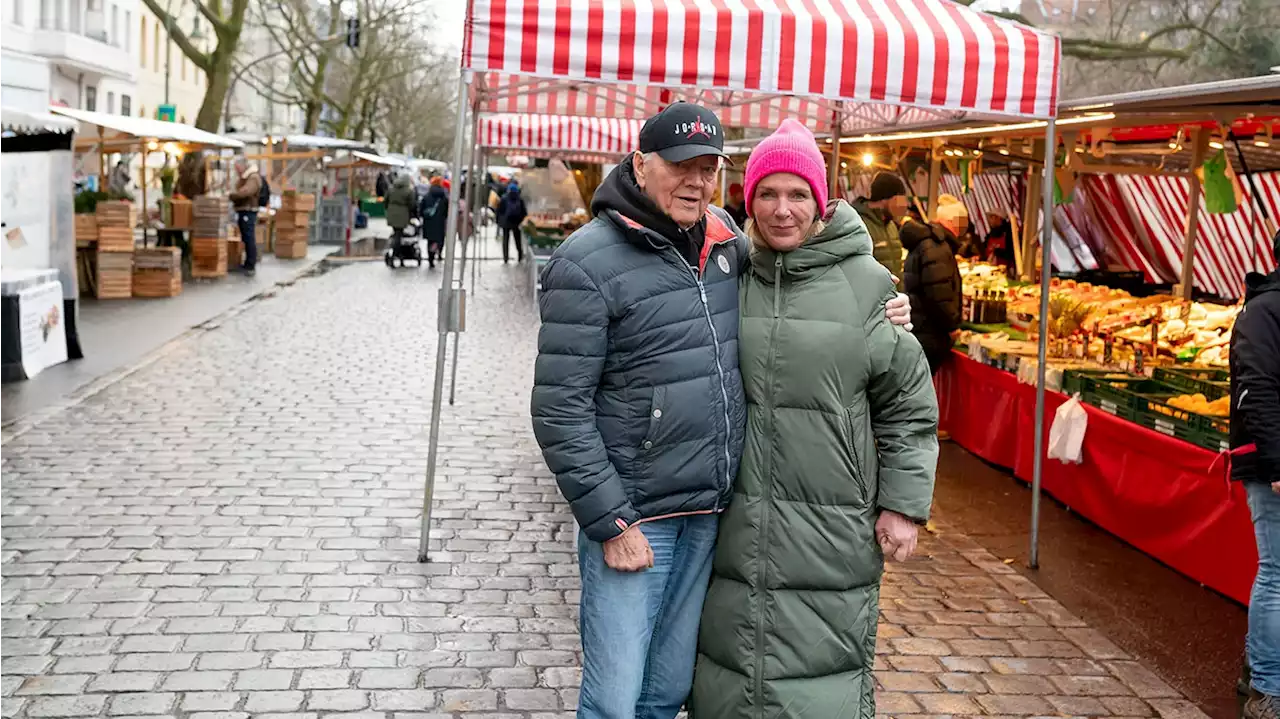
{"x":1212,"y":383}
{"x":1072,"y":378}
{"x":1124,"y":397}
{"x":1213,"y":433}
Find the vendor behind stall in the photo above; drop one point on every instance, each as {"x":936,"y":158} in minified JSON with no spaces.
{"x":245,"y":198}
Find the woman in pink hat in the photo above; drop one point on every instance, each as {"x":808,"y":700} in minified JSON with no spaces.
{"x":838,"y":467}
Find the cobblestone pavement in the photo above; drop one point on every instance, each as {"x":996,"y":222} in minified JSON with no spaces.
{"x":232,"y":532}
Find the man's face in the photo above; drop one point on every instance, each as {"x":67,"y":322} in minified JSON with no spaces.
{"x":682,"y":190}
{"x":897,"y":206}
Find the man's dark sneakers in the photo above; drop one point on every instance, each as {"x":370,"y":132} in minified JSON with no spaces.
{"x":1262,"y":706}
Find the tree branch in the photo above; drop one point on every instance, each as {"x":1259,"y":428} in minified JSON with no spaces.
{"x":199,"y":58}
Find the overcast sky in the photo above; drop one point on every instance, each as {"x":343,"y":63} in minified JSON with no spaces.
{"x":446,"y":30}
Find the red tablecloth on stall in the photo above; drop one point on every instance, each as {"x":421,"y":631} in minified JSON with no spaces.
{"x":1168,"y":498}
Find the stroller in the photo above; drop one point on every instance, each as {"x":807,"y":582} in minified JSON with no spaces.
{"x":405,"y":245}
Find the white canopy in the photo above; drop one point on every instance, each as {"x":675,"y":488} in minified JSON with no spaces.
{"x":23,"y":122}
{"x":148,"y":129}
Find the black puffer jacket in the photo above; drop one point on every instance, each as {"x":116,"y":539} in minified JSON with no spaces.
{"x":931,"y":278}
{"x":1255,"y":383}
{"x":637,"y":399}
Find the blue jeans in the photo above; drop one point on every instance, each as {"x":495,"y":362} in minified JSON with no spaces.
{"x":640,"y":629}
{"x":1264,"y":604}
{"x":248,"y":224}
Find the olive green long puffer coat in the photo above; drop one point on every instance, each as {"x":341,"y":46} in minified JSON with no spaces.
{"x":841,"y":424}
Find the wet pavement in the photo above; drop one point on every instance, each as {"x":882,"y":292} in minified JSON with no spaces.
{"x":1192,"y":636}
{"x":231,"y":531}
{"x":117,"y":334}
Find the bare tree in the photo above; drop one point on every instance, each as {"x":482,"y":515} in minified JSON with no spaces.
{"x":226,"y":18}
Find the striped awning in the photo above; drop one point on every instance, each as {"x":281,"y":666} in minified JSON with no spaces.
{"x":762,"y":60}
{"x":583,"y":136}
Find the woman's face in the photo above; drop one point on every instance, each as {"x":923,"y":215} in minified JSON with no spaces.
{"x":784,"y":209}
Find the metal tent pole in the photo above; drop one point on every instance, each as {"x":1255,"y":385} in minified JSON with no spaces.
{"x":1046,"y":263}
{"x":833,"y":166}
{"x":444,"y":315}
{"x":472,"y":191}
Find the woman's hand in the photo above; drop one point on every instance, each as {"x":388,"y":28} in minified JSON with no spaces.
{"x":898,"y":311}
{"x":629,"y":551}
{"x":896,"y":535}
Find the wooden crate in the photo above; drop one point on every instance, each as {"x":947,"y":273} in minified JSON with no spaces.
{"x":298,"y":202}
{"x":208,"y":257}
{"x":86,"y":227}
{"x":235,"y":252}
{"x":181,"y":213}
{"x":116,"y":213}
{"x":209,"y":217}
{"x":115,"y":275}
{"x":291,"y":250}
{"x":115,"y":239}
{"x":291,"y":219}
{"x":157,"y":272}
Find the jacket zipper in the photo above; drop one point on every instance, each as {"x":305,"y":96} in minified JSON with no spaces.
{"x":724,"y":392}
{"x":765,"y":491}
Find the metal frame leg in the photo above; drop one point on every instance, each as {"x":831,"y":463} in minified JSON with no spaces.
{"x":1046,"y":263}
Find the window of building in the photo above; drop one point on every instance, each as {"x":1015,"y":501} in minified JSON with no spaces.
{"x":45,"y":13}
{"x":59,"y":22}
{"x":142,"y":42}
{"x":128,"y":31}
{"x":91,"y":98}
{"x":111,"y":103}
{"x":115,"y":26}
{"x":76,"y":15}
{"x":126,"y":105}
{"x":184,"y":66}
{"x":155,"y":45}
{"x":17,"y":11}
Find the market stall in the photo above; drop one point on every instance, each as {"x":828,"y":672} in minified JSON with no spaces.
{"x":749,"y":65}
{"x":1141,"y":335}
{"x":188,"y":230}
{"x":355,"y":169}
{"x":39,"y":294}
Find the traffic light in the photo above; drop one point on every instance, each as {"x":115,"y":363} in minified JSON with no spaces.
{"x":353,"y":32}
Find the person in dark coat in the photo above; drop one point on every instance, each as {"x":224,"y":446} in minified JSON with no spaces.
{"x":1255,"y":460}
{"x":381,"y":185}
{"x":999,"y":242}
{"x":511,"y":213}
{"x":931,"y":278}
{"x":434,"y":211}
{"x":737,"y":205}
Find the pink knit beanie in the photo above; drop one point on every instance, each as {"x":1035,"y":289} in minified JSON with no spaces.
{"x":791,"y":148}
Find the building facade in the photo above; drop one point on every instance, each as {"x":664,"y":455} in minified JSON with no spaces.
{"x":79,"y":53}
{"x":165,"y":75}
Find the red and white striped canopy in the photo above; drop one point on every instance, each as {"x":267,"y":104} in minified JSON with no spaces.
{"x":932,"y":54}
{"x":591,"y":136}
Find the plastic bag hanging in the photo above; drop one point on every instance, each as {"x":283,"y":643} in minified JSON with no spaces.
{"x":1066,"y":436}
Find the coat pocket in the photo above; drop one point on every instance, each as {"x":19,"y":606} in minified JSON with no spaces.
{"x":853,"y":434}
{"x":656,"y":409}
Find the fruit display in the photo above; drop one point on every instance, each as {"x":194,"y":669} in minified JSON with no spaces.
{"x":1199,"y":404}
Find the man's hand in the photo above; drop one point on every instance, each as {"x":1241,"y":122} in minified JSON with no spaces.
{"x":629,"y":551}
{"x":1275,"y":487}
{"x":896,"y":535}
{"x":898,"y":310}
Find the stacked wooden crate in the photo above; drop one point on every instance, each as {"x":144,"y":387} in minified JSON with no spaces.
{"x":293,"y":222}
{"x":86,"y":227}
{"x":209,"y":236}
{"x":115,"y":220}
{"x":180,"y":213}
{"x":157,"y":272}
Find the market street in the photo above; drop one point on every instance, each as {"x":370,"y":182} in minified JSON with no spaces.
{"x":231,"y":531}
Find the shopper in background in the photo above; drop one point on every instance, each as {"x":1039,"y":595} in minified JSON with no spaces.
{"x":999,"y":244}
{"x":434,"y":211}
{"x":839,"y":461}
{"x":402,"y":205}
{"x":1255,"y":460}
{"x":880,"y":213}
{"x":737,"y":205}
{"x":245,"y":200}
{"x":511,"y":213}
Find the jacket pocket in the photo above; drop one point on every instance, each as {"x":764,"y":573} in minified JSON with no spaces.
{"x":656,"y":409}
{"x":853,"y":439}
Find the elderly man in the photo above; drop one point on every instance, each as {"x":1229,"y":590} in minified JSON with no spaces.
{"x":639,"y":407}
{"x":245,"y":200}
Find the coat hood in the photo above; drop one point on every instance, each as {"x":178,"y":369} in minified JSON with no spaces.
{"x":844,"y":235}
{"x":403,"y":181}
{"x":1257,"y":283}
{"x":513,"y":190}
{"x":913,"y":233}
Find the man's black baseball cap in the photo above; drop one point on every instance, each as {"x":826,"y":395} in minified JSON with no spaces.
{"x":682,"y":132}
